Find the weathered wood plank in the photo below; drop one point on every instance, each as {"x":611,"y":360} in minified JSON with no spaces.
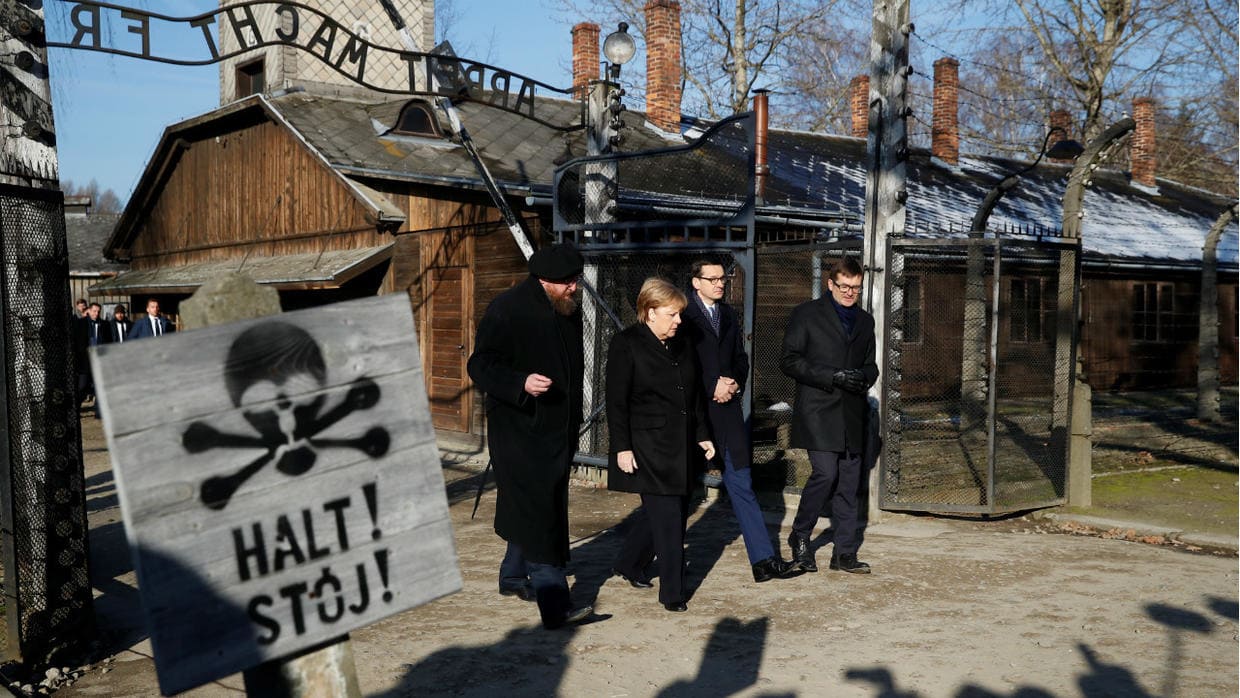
{"x":274,"y":502}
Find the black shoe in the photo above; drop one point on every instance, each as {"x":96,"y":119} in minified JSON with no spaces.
{"x":634,"y":581}
{"x":802,"y":556}
{"x":775,"y":568}
{"x":676,"y":606}
{"x":525,"y":592}
{"x":578,"y":614}
{"x":849,"y":563}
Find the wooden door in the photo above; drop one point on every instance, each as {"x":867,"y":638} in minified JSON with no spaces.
{"x":447,"y":346}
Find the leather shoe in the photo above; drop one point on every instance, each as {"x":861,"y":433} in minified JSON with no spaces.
{"x":525,"y":593}
{"x":676,"y":606}
{"x":634,"y":581}
{"x":775,"y":568}
{"x":802,"y":556}
{"x":578,"y":614}
{"x":849,"y":563}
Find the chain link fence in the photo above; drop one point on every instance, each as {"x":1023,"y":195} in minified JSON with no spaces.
{"x":42,"y":504}
{"x":980,"y":337}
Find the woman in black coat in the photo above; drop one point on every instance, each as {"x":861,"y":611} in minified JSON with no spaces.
{"x":655,"y":418}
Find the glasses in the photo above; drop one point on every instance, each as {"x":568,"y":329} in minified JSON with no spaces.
{"x":717,"y":280}
{"x":847,"y":289}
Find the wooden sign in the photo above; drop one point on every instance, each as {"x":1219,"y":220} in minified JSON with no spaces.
{"x":279,"y":481}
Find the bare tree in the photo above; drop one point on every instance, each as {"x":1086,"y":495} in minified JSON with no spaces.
{"x":729,"y":47}
{"x":105,"y":201}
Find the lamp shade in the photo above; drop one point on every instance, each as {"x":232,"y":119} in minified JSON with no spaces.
{"x":619,"y":47}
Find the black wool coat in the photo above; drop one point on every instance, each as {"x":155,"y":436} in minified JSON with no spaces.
{"x":825,"y":417}
{"x":719,"y":355}
{"x":531,"y":439}
{"x":655,"y":410}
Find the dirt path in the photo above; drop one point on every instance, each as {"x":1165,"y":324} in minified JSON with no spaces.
{"x":954,"y":609}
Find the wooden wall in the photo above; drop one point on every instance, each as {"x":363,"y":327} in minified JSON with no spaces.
{"x":257,"y":191}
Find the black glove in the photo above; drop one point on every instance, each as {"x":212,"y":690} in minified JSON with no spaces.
{"x":850,"y":379}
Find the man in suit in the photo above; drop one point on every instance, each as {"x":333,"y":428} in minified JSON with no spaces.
{"x":89,"y":331}
{"x":121,"y":326}
{"x":715,"y":333}
{"x":829,"y":351}
{"x":154,"y":324}
{"x":529,"y":360}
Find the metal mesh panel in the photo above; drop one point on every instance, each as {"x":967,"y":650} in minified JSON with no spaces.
{"x":701,"y":193}
{"x":979,"y":336}
{"x":786,"y":277}
{"x":617,"y":278}
{"x":46,"y":580}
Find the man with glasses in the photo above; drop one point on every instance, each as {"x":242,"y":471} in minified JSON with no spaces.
{"x":528,"y":359}
{"x":716,"y":335}
{"x":829,"y":351}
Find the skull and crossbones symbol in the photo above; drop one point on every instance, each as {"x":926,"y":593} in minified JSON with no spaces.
{"x":265,"y":365}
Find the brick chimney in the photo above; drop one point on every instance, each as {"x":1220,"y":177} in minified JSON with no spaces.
{"x":1061,"y":119}
{"x":1142,"y":154}
{"x":585,"y":54}
{"x":859,"y":105}
{"x":663,"y":64}
{"x":944,"y":131}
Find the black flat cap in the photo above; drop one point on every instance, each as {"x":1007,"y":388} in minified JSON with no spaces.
{"x":557,"y":262}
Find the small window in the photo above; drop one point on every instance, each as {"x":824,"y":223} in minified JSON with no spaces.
{"x":250,"y":78}
{"x":1153,"y":312}
{"x":912,"y":309}
{"x":1029,"y":317}
{"x":416,"y":119}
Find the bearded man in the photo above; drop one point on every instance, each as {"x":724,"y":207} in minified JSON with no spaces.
{"x":528,"y":359}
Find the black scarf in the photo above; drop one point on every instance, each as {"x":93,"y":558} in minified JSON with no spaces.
{"x":848,"y":316}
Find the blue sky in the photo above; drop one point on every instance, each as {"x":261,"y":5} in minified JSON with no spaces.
{"x":111,"y":110}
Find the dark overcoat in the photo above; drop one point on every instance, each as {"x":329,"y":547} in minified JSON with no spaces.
{"x":719,"y":355}
{"x":531,"y":439}
{"x":825,"y":417}
{"x":655,"y":410}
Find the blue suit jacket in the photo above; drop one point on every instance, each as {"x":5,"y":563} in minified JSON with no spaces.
{"x":142,"y":328}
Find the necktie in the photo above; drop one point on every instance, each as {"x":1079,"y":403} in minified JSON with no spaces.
{"x":713,"y":312}
{"x":120,"y":332}
{"x":155,"y":326}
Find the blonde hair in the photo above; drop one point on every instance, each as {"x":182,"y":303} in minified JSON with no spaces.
{"x":657,"y":293}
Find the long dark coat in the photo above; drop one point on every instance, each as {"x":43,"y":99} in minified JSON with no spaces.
{"x":655,"y":410}
{"x":718,"y":355}
{"x":827,"y":418}
{"x":531,"y":440}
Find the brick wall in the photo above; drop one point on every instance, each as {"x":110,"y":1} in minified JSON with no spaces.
{"x":585,"y":53}
{"x":663,"y":64}
{"x":1143,"y":154}
{"x":944,"y":131}
{"x":859,"y":105}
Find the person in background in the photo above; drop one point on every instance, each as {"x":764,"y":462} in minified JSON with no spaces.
{"x":529,"y":360}
{"x":713,"y":330}
{"x":90,"y":331}
{"x":829,"y":351}
{"x":80,"y":309}
{"x":154,"y":324}
{"x":656,"y":420}
{"x":120,"y":324}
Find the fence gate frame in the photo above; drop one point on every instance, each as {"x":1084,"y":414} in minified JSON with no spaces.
{"x":1060,"y":253}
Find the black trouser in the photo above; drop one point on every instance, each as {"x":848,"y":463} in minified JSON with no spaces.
{"x":837,"y":475}
{"x":658,"y":529}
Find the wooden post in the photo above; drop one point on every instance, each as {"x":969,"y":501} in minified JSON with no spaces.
{"x":324,"y":670}
{"x":885,"y":192}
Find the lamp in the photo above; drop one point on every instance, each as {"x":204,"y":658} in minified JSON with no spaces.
{"x":618,"y":48}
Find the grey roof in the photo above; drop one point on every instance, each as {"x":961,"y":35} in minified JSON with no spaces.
{"x":355,"y":137}
{"x":86,"y":237}
{"x":1123,"y":223}
{"x":328,"y":269}
{"x":818,"y":173}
